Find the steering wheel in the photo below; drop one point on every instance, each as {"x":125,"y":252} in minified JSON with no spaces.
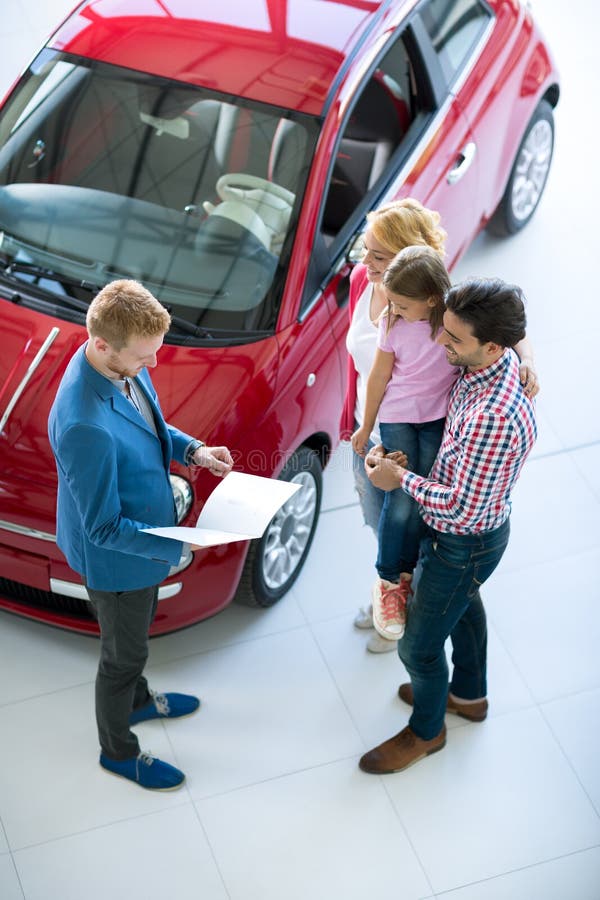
{"x":269,"y":201}
{"x":239,"y":186}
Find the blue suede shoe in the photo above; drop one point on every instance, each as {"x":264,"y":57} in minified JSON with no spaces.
{"x":145,"y":770}
{"x":165,"y":706}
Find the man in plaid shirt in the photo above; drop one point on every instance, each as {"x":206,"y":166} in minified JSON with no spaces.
{"x":465,"y":502}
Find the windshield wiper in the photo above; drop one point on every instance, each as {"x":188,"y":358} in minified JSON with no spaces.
{"x":189,"y":327}
{"x":10,"y":269}
{"x":50,"y":274}
{"x":216,"y":334}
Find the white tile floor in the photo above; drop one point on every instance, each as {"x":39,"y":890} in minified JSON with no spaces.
{"x":275,"y":807}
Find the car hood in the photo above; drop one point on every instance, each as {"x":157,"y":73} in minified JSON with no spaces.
{"x":214,"y":394}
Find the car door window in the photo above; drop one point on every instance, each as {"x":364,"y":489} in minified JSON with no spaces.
{"x":454,"y":27}
{"x":382,"y":119}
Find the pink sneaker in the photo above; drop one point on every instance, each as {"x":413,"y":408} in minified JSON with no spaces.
{"x":389,"y":607}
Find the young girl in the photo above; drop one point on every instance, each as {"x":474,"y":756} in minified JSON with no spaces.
{"x":407,"y":391}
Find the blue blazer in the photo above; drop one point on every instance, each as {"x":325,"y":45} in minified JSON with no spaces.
{"x":113,"y":480}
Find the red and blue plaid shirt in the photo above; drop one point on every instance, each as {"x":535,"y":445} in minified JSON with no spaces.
{"x":490,"y":429}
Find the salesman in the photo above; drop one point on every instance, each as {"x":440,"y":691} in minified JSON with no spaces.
{"x":113,"y":450}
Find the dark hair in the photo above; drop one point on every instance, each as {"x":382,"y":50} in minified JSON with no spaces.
{"x":494,"y":309}
{"x":419,"y":273}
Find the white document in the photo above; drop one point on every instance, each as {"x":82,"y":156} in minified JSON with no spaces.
{"x":239,"y":509}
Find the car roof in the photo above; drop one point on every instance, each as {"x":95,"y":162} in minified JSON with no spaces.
{"x":289,"y":53}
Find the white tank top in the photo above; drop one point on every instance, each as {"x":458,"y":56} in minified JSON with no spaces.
{"x":361,"y":343}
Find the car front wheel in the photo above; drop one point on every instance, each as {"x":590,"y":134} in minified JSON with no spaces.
{"x":275,"y":560}
{"x":528,"y":176}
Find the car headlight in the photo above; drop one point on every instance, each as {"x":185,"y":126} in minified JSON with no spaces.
{"x":182,"y":494}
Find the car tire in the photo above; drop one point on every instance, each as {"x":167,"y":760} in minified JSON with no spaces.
{"x":528,"y":175}
{"x":275,"y":560}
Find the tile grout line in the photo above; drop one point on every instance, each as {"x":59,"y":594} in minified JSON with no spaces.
{"x":531,"y":866}
{"x":509,"y":569}
{"x":210,"y":846}
{"x":123,"y":819}
{"x":539,"y":706}
{"x":267,"y":780}
{"x":534,"y":458}
{"x":12,"y":858}
{"x":590,"y":486}
{"x":32,"y":697}
{"x":186,"y":656}
{"x":381,"y":781}
{"x":154,"y":665}
{"x":568,"y":760}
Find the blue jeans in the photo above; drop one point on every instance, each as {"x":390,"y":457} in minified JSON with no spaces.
{"x":370,"y":498}
{"x":447,"y":603}
{"x":400,"y":525}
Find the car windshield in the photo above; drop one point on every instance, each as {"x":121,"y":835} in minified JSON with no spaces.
{"x":108,"y":173}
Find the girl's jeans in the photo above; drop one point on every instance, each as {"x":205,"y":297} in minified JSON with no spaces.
{"x":400,"y":525}
{"x":447,"y":603}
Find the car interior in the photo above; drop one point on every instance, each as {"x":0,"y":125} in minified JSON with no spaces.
{"x":171,"y":180}
{"x":376,"y":127}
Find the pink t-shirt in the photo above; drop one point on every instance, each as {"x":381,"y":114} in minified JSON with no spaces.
{"x":421,"y":378}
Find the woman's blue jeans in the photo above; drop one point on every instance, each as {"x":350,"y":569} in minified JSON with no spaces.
{"x":446,"y":603}
{"x":370,"y":498}
{"x":400,"y":525}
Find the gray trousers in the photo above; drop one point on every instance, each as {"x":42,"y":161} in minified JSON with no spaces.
{"x":124,"y":618}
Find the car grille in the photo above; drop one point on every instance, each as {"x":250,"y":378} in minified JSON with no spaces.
{"x":44,"y":600}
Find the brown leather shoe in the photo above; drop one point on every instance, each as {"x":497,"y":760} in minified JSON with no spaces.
{"x":474,"y":712}
{"x":400,"y":752}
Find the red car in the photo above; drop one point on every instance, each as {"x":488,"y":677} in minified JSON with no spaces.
{"x":226,"y":154}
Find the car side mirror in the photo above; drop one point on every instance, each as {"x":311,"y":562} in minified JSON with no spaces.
{"x":356,"y":249}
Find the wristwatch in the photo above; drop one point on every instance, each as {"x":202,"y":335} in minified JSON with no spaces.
{"x":190,"y":450}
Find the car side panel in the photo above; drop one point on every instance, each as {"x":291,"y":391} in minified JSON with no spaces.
{"x":518,"y":70}
{"x":428,"y":180}
{"x":310,"y":386}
